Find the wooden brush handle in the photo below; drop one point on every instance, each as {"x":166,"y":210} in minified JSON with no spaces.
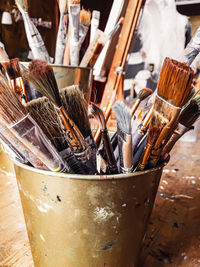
{"x":97,"y":134}
{"x":141,"y":166}
{"x":73,"y":134}
{"x":134,"y":107}
{"x":180,"y":131}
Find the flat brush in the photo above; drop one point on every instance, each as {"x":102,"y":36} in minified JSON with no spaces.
{"x":123,"y":117}
{"x":74,"y":24}
{"x":173,"y":88}
{"x":186,"y":120}
{"x":85,"y":20}
{"x":33,"y":36}
{"x":62,"y":33}
{"x":76,"y":107}
{"x":13,"y":73}
{"x":46,"y":116}
{"x":99,"y":116}
{"x":14,"y":116}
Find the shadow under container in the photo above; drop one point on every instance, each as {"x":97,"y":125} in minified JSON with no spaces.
{"x":86,"y":221}
{"x":65,"y":76}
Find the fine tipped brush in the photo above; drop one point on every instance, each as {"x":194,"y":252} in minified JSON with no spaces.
{"x":186,"y":120}
{"x":99,"y":116}
{"x":14,"y":76}
{"x":173,"y":88}
{"x":62,"y":33}
{"x":14,"y":116}
{"x":123,"y":117}
{"x":94,"y":24}
{"x":74,"y":24}
{"x":33,"y":36}
{"x":85,"y":20}
{"x":143,"y":93}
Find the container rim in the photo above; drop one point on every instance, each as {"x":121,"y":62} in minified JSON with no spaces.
{"x":60,"y":66}
{"x":84,"y":176}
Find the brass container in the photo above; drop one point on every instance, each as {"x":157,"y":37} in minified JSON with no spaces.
{"x":86,"y":221}
{"x":6,"y":165}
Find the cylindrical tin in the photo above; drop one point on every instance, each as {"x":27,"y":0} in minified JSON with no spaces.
{"x":6,"y":165}
{"x":86,"y":221}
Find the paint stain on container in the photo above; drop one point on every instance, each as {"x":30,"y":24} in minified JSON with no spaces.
{"x":109,"y":245}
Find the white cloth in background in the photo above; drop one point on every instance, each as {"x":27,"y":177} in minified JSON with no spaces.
{"x":162,"y":32}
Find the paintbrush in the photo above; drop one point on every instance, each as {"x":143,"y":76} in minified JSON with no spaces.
{"x":141,"y":131}
{"x":85,"y":20}
{"x":192,"y":49}
{"x":143,"y":93}
{"x":99,"y":116}
{"x":74,"y":24}
{"x":142,"y":128}
{"x":14,"y":116}
{"x":76,"y":107}
{"x":123,"y":117}
{"x":42,"y":76}
{"x":33,"y":36}
{"x":186,"y":120}
{"x":46,"y":116}
{"x":14,"y":76}
{"x":153,"y":134}
{"x":94,"y":24}
{"x":173,"y":88}
{"x":62,"y":32}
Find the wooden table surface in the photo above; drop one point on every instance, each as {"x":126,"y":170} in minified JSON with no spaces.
{"x":173,"y":234}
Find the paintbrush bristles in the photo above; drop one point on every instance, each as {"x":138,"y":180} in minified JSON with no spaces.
{"x":42,"y":77}
{"x":98,"y":115}
{"x":85,"y":17}
{"x":189,"y":114}
{"x":11,"y":110}
{"x":175,"y":82}
{"x":144,"y":93}
{"x":77,"y":108}
{"x":123,"y":116}
{"x":22,"y":5}
{"x":45,"y":114}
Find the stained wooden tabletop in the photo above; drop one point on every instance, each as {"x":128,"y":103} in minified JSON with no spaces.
{"x":173,"y":234}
